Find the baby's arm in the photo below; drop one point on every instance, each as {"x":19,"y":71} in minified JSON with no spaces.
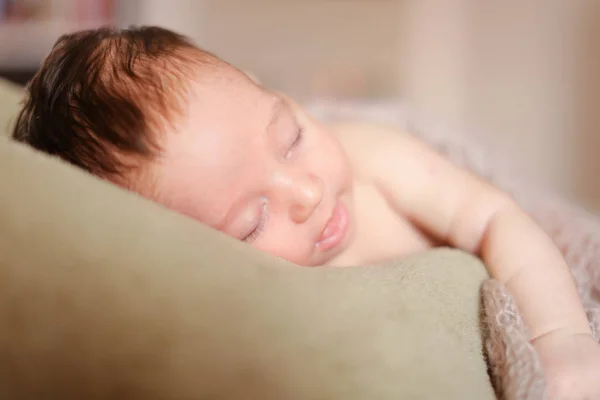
{"x":468,"y":213}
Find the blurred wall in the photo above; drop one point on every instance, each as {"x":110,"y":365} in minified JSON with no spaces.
{"x":296,"y":46}
{"x":587,"y":105}
{"x":504,"y":69}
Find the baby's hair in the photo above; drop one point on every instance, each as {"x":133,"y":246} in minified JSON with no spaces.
{"x":102,"y":96}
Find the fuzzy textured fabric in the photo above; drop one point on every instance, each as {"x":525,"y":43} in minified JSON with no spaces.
{"x":514,"y":365}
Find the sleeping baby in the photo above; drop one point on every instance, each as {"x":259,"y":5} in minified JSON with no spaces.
{"x":147,"y":110}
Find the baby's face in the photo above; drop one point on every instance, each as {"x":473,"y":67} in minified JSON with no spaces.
{"x":252,"y":165}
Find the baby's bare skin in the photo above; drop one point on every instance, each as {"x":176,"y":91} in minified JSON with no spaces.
{"x":380,"y":232}
{"x":400,"y":184}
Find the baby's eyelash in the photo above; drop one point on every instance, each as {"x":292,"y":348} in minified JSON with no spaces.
{"x":298,"y":138}
{"x":296,"y":143}
{"x":249,"y":238}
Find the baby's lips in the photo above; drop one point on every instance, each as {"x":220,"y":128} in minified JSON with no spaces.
{"x":329,"y":230}
{"x":335,"y":229}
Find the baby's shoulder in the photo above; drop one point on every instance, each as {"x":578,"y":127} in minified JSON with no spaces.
{"x":364,"y":136}
{"x":364,"y":143}
{"x":357,"y":130}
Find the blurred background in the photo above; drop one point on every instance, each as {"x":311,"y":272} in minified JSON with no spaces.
{"x":522,"y":74}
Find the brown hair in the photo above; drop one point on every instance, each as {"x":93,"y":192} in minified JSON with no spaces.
{"x":102,"y":96}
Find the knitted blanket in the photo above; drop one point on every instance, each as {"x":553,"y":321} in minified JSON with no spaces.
{"x":514,"y":366}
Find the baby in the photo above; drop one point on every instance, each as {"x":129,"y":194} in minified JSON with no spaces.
{"x":147,"y":110}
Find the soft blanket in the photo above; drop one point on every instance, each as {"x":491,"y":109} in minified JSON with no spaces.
{"x":514,"y":366}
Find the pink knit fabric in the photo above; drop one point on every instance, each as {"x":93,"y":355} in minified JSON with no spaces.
{"x":514,"y":365}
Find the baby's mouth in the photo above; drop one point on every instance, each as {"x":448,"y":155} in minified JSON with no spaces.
{"x":335,"y":229}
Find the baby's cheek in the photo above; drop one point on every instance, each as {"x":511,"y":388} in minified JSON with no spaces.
{"x":339,"y":165}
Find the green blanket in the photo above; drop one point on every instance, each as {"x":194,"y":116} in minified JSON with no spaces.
{"x":106,"y":295}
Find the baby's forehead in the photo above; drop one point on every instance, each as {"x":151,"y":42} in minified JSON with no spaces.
{"x":217,"y":72}
{"x":229,"y":104}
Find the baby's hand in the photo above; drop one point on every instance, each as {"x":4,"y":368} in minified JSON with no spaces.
{"x":572,"y":366}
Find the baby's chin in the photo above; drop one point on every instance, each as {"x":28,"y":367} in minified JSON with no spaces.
{"x":315,"y":258}
{"x":343,"y":259}
{"x":340,"y":256}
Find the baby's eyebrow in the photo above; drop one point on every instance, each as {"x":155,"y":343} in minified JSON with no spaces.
{"x":278,"y":106}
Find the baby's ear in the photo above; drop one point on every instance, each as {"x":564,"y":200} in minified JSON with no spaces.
{"x":253,"y":77}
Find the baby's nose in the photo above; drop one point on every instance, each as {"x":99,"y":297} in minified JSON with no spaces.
{"x":307,"y":193}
